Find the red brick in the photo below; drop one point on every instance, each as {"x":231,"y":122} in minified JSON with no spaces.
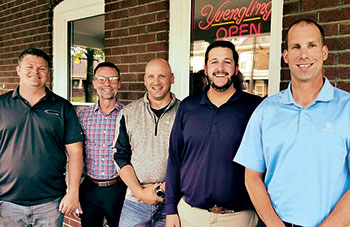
{"x":158,"y":6}
{"x":345,"y":28}
{"x":338,"y":43}
{"x":148,"y":18}
{"x":334,"y":15}
{"x":147,"y":38}
{"x":308,"y":5}
{"x":144,"y":58}
{"x":162,"y":36}
{"x":137,"y":49}
{"x":128,"y":77}
{"x":330,"y":29}
{"x":156,"y":47}
{"x":128,"y":3}
{"x":343,"y":85}
{"x":112,"y":6}
{"x":136,"y":95}
{"x":161,"y":26}
{"x":112,"y":25}
{"x":138,"y":68}
{"x":139,"y":10}
{"x":136,"y":86}
{"x":140,"y":76}
{"x":120,"y":14}
{"x":162,"y":55}
{"x":289,"y":19}
{"x":128,"y":59}
{"x":290,"y":7}
{"x":137,"y":30}
{"x":161,"y":16}
{"x":331,"y":60}
{"x":337,"y":72}
{"x":128,"y":40}
{"x":124,"y":86}
{"x":344,"y":58}
{"x":119,"y":50}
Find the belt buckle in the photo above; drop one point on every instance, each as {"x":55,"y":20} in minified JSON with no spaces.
{"x":103,"y":184}
{"x":219,"y":210}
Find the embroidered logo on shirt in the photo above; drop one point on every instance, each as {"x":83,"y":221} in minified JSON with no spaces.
{"x":53,"y":112}
{"x":328,"y":127}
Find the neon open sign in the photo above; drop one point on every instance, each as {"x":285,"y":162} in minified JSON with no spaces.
{"x":230,"y":18}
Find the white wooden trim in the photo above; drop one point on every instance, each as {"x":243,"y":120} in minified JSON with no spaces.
{"x":179,"y":45}
{"x":66,"y":11}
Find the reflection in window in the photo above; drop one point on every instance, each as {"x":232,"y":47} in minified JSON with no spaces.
{"x":86,"y":51}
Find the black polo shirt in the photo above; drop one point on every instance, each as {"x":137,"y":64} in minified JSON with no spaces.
{"x":32,"y":147}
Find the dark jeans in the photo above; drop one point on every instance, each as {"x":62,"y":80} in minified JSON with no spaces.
{"x":99,"y":202}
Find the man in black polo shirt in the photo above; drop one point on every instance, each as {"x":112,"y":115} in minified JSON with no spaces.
{"x":37,"y":129}
{"x":206,"y":134}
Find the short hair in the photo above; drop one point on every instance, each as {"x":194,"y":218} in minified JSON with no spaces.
{"x":224,"y":44}
{"x":107,"y":64}
{"x":307,"y":21}
{"x":35,"y":52}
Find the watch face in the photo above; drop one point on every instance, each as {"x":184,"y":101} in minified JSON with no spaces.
{"x":160,"y":192}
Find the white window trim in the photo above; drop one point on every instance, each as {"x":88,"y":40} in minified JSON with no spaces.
{"x":66,"y":11}
{"x":179,"y":46}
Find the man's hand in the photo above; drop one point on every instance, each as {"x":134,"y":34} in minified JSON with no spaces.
{"x":148,"y":195}
{"x":69,"y":204}
{"x":172,"y":220}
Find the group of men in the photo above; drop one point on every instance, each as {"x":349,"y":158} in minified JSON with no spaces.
{"x":222,"y":157}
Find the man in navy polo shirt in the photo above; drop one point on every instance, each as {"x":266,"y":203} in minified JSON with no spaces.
{"x":37,"y":131}
{"x":203,"y":186}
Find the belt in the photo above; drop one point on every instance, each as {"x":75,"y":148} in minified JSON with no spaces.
{"x":291,"y":225}
{"x":220,"y":210}
{"x":105,"y":183}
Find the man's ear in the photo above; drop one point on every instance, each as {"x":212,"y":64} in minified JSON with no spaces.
{"x":285,"y":56}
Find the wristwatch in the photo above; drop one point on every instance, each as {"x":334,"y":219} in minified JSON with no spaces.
{"x":160,"y":192}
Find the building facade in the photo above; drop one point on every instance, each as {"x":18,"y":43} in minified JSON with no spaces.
{"x":135,"y":31}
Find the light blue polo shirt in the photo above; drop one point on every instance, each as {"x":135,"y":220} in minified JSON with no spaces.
{"x":304,"y":151}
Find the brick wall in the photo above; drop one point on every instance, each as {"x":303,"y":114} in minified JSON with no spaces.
{"x":334,"y":17}
{"x":23,"y":24}
{"x":135,"y":32}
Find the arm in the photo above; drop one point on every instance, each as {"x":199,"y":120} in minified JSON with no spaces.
{"x":260,"y":198}
{"x":70,"y":201}
{"x":173,"y":191}
{"x":144,"y":194}
{"x":340,"y":214}
{"x":172,"y":220}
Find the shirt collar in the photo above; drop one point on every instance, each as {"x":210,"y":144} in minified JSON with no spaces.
{"x":326,"y":93}
{"x":118,"y":106}
{"x":48,"y":96}
{"x":205,"y":99}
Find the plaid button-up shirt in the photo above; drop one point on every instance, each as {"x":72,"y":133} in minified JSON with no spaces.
{"x":99,"y":130}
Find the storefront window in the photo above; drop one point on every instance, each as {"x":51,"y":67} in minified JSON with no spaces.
{"x":246,"y":23}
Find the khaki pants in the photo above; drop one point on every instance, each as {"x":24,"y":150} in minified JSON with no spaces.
{"x":196,"y":217}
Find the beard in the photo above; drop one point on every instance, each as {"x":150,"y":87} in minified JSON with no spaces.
{"x":224,"y":87}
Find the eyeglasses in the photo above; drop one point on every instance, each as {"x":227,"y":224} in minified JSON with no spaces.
{"x":111,"y":79}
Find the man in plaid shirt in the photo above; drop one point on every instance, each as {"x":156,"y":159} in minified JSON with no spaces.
{"x":102,"y":191}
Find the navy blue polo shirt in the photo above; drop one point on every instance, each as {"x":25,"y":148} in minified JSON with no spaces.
{"x":203,"y":143}
{"x":32,"y":147}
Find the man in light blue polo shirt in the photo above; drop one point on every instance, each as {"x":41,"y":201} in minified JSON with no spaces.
{"x":300,"y":138}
